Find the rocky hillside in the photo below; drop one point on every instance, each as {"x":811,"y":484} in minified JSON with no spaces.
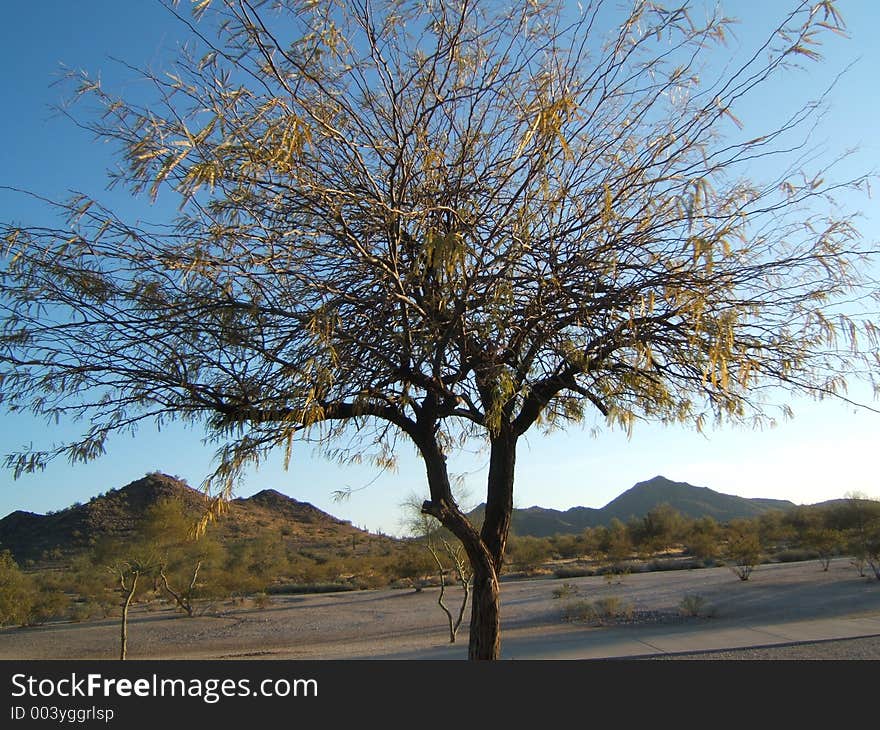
{"x":116,"y":513}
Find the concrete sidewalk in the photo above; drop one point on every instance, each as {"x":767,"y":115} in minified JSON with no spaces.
{"x":642,"y":641}
{"x":650,"y":641}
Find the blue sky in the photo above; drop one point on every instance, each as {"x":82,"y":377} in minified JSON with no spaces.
{"x":827,"y":450}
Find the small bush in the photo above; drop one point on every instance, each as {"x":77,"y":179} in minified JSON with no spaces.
{"x":84,"y":610}
{"x":695,"y":605}
{"x":262,"y":600}
{"x":371,"y":581}
{"x":616,"y":573}
{"x":743,"y":552}
{"x":565,"y":590}
{"x":294,"y":588}
{"x":659,"y":564}
{"x":47,"y":606}
{"x":794,"y":555}
{"x":613,"y":607}
{"x":579,"y":611}
{"x":743,"y":572}
{"x":573,"y":572}
{"x":598,"y":611}
{"x":860,"y":564}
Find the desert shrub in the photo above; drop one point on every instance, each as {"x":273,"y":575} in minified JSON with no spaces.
{"x":565,"y":590}
{"x":613,"y":607}
{"x":369,"y":581}
{"x":598,"y":611}
{"x":579,"y":611}
{"x":693,"y":604}
{"x":48,"y":605}
{"x":566,"y":546}
{"x":824,"y":542}
{"x":658,"y":529}
{"x":85,"y":610}
{"x":860,"y":563}
{"x":701,"y":539}
{"x":296,"y":588}
{"x":529,"y":552}
{"x":660,"y":564}
{"x":237,"y":579}
{"x":573,"y":572}
{"x":778,"y":529}
{"x":616,"y":573}
{"x":616,"y":542}
{"x":743,"y":549}
{"x":591,"y":540}
{"x":743,"y":571}
{"x":794,"y":555}
{"x":864,"y":546}
{"x":415,"y":563}
{"x":112,"y":611}
{"x":17,"y":592}
{"x":262,"y":600}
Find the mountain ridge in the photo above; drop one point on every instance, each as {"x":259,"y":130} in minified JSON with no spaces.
{"x":116,"y":513}
{"x":691,"y":501}
{"x":31,"y":536}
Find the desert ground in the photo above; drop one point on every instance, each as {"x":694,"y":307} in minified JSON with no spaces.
{"x":405,"y":624}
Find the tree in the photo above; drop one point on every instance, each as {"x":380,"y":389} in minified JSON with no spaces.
{"x":777,"y":529}
{"x":26,"y":598}
{"x":441,"y":546}
{"x":743,"y":548}
{"x":180,"y":556}
{"x":127,"y":573}
{"x":864,"y":531}
{"x":16,"y":592}
{"x":618,"y":545}
{"x":441,"y":221}
{"x":126,"y":559}
{"x":660,"y":528}
{"x":825,"y":542}
{"x":702,"y":537}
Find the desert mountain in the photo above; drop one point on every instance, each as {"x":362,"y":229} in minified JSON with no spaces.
{"x":637,"y":501}
{"x":31,"y":536}
{"x":116,"y":513}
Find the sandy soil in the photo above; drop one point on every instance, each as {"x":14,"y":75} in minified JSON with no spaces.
{"x":404,"y":624}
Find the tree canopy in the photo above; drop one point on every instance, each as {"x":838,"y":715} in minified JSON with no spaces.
{"x":437,"y":221}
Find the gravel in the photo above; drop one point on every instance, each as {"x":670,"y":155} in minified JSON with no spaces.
{"x":865,"y":648}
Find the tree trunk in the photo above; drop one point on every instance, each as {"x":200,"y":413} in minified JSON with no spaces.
{"x":499,"y":495}
{"x":485,"y":550}
{"x":485,"y":632}
{"x":128,"y":594}
{"x":485,"y":638}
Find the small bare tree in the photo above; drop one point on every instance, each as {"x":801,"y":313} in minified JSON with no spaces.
{"x":183,"y":598}
{"x":127,"y":573}
{"x":442,"y":546}
{"x":743,"y":550}
{"x":825,"y":542}
{"x":460,"y":563}
{"x":182,"y":553}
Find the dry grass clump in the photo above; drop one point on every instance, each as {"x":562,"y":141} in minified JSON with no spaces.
{"x":609,"y":608}
{"x":694,"y":605}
